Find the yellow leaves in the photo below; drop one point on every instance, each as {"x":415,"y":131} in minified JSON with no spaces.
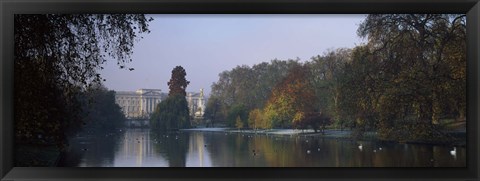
{"x":238,"y":122}
{"x":268,"y":117}
{"x":255,"y":119}
{"x":292,"y":95}
{"x":298,"y":116}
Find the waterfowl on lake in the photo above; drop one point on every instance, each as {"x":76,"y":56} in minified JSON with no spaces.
{"x":454,"y":151}
{"x":360,"y":147}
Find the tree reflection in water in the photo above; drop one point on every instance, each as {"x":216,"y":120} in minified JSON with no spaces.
{"x":173,"y":146}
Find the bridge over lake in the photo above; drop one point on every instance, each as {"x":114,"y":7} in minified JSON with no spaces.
{"x":137,"y":122}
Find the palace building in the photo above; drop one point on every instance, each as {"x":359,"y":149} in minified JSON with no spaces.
{"x":142,"y":103}
{"x":196,"y":104}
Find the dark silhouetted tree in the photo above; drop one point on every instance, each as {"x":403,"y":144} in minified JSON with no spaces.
{"x":57,"y":57}
{"x":178,"y":83}
{"x":173,"y":113}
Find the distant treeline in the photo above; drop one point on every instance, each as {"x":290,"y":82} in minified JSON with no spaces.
{"x":404,"y":82}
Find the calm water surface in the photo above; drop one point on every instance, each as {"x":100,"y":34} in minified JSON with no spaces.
{"x":144,"y":148}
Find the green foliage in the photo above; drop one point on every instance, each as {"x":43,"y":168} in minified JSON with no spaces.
{"x":358,"y":93}
{"x":212,"y":110}
{"x":249,"y":86}
{"x":103,"y":114}
{"x":237,"y":111}
{"x":171,"y":114}
{"x":326,"y":80}
{"x":409,"y":76}
{"x":412,"y":74}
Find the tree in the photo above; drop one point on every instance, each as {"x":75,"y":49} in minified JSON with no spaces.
{"x":102,"y":113}
{"x":238,"y":123}
{"x":213,"y":109}
{"x":261,"y":119}
{"x":76,"y":46}
{"x":325,"y":76}
{"x":173,"y":113}
{"x":237,"y":110}
{"x":316,"y":120}
{"x":57,"y":57}
{"x":255,"y":119}
{"x":430,"y":66}
{"x":359,"y":89}
{"x":415,"y":74}
{"x":292,"y":95}
{"x":249,"y":86}
{"x":178,"y":83}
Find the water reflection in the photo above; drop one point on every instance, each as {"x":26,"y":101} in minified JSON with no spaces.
{"x":145,"y":148}
{"x":138,"y":150}
{"x":173,"y":147}
{"x":198,"y":154}
{"x":92,"y":150}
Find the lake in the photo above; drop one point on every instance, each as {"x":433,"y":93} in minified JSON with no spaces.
{"x":135,"y":147}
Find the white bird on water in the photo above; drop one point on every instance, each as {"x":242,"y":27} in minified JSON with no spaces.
{"x":454,"y":151}
{"x":360,"y":147}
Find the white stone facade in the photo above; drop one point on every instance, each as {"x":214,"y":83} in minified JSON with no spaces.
{"x":196,"y":104}
{"x":140,"y":103}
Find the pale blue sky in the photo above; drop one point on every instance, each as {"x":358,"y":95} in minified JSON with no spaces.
{"x":206,"y":45}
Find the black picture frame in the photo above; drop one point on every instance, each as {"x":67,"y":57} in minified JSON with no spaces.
{"x":10,"y":7}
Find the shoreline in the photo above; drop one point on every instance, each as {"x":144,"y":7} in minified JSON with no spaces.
{"x":283,"y":132}
{"x":329,"y":133}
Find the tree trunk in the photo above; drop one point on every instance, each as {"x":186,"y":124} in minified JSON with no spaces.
{"x":436,"y":110}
